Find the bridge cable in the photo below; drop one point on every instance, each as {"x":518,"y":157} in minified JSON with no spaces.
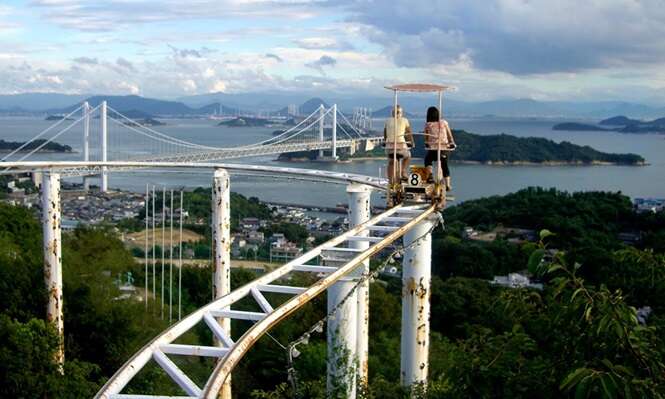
{"x":260,"y":143}
{"x":48,"y":141}
{"x":64,"y":118}
{"x":350,"y":124}
{"x":153,"y":131}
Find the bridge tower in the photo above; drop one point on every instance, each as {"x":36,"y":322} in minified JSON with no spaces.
{"x":86,"y":142}
{"x":321,"y":116}
{"x":102,"y":118}
{"x":334,"y":132}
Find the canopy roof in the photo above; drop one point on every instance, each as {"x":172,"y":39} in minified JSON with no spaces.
{"x":419,"y":87}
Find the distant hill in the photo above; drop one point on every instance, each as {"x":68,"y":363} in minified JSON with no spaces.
{"x":38,"y":102}
{"x":6,"y":146}
{"x":148,"y":106}
{"x":504,"y":149}
{"x":618,"y":121}
{"x":244,"y":121}
{"x":204,"y":104}
{"x":624,"y":125}
{"x":579,"y":127}
{"x":305,"y":108}
{"x":387,"y":111}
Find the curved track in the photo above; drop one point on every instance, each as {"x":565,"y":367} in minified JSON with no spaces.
{"x":379,"y":232}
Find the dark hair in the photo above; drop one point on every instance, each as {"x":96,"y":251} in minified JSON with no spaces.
{"x":432,"y":114}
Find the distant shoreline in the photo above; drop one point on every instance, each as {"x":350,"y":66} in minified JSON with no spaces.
{"x":487,"y":163}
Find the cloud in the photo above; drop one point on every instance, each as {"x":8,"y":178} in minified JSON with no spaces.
{"x":112,"y":15}
{"x":86,"y":61}
{"x":125,"y":64}
{"x":322,"y":43}
{"x":517,"y":36}
{"x":274,"y":57}
{"x":324,"y":61}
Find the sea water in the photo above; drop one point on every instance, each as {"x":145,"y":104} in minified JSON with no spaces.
{"x":469,"y":181}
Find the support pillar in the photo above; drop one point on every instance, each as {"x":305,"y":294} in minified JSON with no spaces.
{"x":359,"y":213}
{"x":341,"y":339}
{"x":221,"y":237}
{"x":102,"y":118}
{"x":86,"y":141}
{"x":416,"y":278}
{"x":51,"y":221}
{"x":334,"y":132}
{"x":321,"y":113}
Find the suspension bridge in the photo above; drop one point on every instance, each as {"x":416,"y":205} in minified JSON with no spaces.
{"x":106,"y":134}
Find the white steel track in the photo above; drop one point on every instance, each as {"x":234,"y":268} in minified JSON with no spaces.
{"x":75,"y":168}
{"x":400,"y":219}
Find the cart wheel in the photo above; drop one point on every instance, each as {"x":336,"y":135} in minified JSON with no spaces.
{"x":439,"y":196}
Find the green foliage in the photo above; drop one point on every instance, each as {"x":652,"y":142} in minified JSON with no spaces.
{"x":293,"y":232}
{"x":504,"y":148}
{"x":27,"y":369}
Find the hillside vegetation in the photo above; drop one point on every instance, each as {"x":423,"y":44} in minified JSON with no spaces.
{"x":578,"y":337}
{"x":507,"y":149}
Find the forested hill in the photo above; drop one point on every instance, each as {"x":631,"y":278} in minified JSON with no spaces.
{"x":504,"y":148}
{"x":48,"y":147}
{"x":575,"y":337}
{"x":507,"y":149}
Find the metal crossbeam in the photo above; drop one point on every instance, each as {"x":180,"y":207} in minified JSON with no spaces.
{"x":235,"y":350}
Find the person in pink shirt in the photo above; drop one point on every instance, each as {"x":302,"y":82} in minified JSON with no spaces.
{"x":438,"y":140}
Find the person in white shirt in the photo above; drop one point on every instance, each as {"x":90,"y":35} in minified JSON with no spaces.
{"x":399,"y":140}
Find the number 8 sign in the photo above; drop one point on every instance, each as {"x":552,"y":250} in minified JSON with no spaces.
{"x":414,"y":179}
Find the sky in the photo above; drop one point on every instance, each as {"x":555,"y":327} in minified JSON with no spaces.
{"x":561,"y":50}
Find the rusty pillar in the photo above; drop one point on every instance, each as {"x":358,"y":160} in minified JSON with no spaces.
{"x":221,"y":237}
{"x":51,"y":220}
{"x":341,"y":337}
{"x":359,"y":213}
{"x":416,"y":277}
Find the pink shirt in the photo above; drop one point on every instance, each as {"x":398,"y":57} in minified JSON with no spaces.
{"x":438,"y":132}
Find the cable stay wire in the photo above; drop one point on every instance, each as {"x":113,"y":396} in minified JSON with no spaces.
{"x":132,"y":128}
{"x":286,"y":132}
{"x":43,"y":132}
{"x":305,"y":129}
{"x":155,"y":132}
{"x":350,"y":124}
{"x":65,"y":130}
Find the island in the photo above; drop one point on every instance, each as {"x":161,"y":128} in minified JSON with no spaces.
{"x":57,"y":118}
{"x":6,"y":146}
{"x":579,"y":127}
{"x":144,"y":122}
{"x":501,"y":149}
{"x":136,"y":118}
{"x":622,"y":124}
{"x":246,"y":121}
{"x":620,"y":120}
